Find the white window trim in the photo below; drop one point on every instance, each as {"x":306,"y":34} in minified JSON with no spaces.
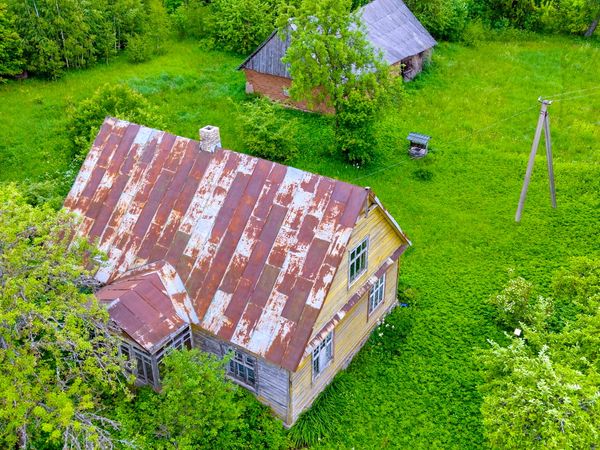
{"x":364,"y":270}
{"x":322,"y":347}
{"x":378,"y":290}
{"x":237,"y":379}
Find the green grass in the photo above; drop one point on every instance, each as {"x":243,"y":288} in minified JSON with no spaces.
{"x":461,"y":220}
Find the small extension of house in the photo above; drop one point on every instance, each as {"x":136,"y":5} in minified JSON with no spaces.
{"x":209,"y":248}
{"x":391,"y":28}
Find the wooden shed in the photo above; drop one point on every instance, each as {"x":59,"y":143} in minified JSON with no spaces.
{"x":286,"y":270}
{"x":391,"y":28}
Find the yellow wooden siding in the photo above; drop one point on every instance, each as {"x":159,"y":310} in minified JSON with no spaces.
{"x":348,"y":337}
{"x":383,"y":241}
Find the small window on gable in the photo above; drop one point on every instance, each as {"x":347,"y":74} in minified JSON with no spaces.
{"x":322,"y":355}
{"x":243,"y":368}
{"x":358,"y":260}
{"x":377,"y":294}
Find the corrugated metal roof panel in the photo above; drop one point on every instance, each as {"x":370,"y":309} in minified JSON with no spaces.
{"x":243,"y":247}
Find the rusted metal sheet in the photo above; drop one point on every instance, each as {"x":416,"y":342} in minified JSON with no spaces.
{"x":243,"y":247}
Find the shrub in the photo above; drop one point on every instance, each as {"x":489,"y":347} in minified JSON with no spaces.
{"x":267,"y":134}
{"x":445,"y":19}
{"x":355,"y":132}
{"x":191,"y":19}
{"x":516,"y":304}
{"x":139,"y":49}
{"x":11,"y":51}
{"x":109,"y":100}
{"x":241,"y":25}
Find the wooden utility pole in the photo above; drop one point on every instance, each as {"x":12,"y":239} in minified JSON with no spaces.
{"x":543,"y":123}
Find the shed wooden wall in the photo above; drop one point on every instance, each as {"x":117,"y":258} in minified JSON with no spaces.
{"x":272,"y":382}
{"x":348,"y":337}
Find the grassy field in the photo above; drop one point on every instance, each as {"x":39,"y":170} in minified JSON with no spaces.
{"x":457,"y":205}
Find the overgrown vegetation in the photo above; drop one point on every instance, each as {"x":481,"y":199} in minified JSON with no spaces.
{"x":541,"y":391}
{"x":267,"y":134}
{"x":198,"y":407}
{"x":58,"y":358}
{"x":423,"y":392}
{"x":118,"y":101}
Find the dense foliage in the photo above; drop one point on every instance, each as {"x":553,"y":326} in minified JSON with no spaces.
{"x":267,"y":134}
{"x":118,"y":100}
{"x":197,"y":407}
{"x":542,"y":391}
{"x":11,"y":51}
{"x":333,"y":63}
{"x":57,"y":356}
{"x":421,"y":391}
{"x":236,"y":25}
{"x":65,"y":34}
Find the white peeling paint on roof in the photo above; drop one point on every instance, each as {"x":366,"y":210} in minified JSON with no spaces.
{"x":107,"y":268}
{"x":206,"y":187}
{"x":214,"y":318}
{"x":264,"y":331}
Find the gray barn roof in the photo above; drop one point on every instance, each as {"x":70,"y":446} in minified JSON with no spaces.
{"x":391,"y":28}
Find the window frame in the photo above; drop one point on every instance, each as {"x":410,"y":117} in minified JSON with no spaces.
{"x":134,"y":354}
{"x":351,"y":261}
{"x":243,"y":361}
{"x":326,"y":344}
{"x":377,"y":291}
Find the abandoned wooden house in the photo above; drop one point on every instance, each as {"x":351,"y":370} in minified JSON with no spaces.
{"x":210,"y":248}
{"x":391,"y":28}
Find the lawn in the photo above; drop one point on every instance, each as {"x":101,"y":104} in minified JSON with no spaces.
{"x":457,"y":205}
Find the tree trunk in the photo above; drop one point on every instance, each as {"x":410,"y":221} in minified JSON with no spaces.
{"x":22,"y":437}
{"x":592,"y":28}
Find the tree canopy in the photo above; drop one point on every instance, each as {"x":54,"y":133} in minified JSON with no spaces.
{"x":57,"y":355}
{"x":542,"y":390}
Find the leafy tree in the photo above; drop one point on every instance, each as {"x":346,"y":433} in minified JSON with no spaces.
{"x":198,"y":407}
{"x":332,"y":62}
{"x":117,"y":100}
{"x":267,"y":134}
{"x":11,"y":51}
{"x":542,"y":391}
{"x":62,"y":34}
{"x":444,"y":19}
{"x":241,"y":25}
{"x":57,"y":356}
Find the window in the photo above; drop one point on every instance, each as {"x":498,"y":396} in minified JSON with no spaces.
{"x":358,"y":260}
{"x":145,"y":366}
{"x":377,"y":294}
{"x":142,"y":364}
{"x":322,"y":355}
{"x":179,"y":342}
{"x":243,"y":368}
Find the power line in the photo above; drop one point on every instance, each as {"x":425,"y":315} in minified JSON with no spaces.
{"x":575,"y":98}
{"x":389,"y":166}
{"x":570,"y":92}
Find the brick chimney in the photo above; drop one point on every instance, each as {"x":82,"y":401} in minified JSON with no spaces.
{"x":210,"y":138}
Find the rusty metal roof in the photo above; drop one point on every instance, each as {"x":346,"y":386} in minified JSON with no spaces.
{"x":245,"y":248}
{"x":149,"y":304}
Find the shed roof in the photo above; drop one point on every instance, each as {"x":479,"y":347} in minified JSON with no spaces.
{"x":245,"y":248}
{"x":391,"y":28}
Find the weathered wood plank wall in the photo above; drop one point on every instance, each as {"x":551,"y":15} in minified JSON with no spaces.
{"x":272,"y":387}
